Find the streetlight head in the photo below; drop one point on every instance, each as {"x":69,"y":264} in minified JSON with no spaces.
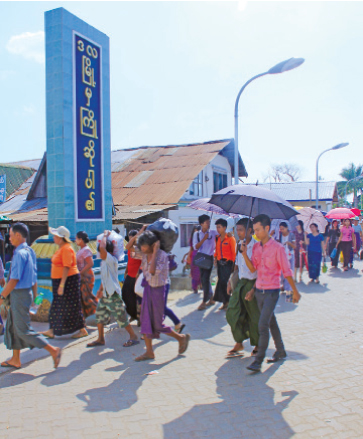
{"x":284,"y":66}
{"x":341,"y":145}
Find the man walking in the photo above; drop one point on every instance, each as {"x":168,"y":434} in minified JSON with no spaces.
{"x":204,"y":241}
{"x":269,"y":260}
{"x":23,"y":280}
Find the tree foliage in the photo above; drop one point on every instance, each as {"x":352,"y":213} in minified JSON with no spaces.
{"x":348,"y":173}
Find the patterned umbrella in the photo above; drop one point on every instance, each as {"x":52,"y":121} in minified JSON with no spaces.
{"x":203,"y":204}
{"x":355,"y":211}
{"x":309,"y":216}
{"x":340,"y":213}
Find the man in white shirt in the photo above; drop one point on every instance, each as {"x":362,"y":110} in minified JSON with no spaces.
{"x":109,"y":295}
{"x":242,"y":312}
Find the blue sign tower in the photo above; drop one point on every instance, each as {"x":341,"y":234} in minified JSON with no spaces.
{"x":78,"y":124}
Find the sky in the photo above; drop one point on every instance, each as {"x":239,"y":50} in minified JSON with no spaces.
{"x":176,"y":69}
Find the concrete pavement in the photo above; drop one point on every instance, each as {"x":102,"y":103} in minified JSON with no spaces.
{"x":102,"y":392}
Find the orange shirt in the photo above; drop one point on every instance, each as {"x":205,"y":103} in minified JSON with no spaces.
{"x":228,"y":250}
{"x":64,"y":257}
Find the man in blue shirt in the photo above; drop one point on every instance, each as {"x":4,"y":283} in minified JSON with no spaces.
{"x":22,"y":281}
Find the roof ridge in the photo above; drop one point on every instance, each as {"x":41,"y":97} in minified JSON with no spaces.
{"x":210,"y":142}
{"x":11,"y":165}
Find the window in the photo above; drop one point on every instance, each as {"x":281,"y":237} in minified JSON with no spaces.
{"x":196,"y":188}
{"x":219,"y":181}
{"x":185,"y":234}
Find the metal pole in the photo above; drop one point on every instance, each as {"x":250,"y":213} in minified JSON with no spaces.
{"x":317,"y":184}
{"x":236,"y":161}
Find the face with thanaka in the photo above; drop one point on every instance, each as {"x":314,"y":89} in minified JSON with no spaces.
{"x":221,"y":230}
{"x":261,"y":232}
{"x":205,"y":226}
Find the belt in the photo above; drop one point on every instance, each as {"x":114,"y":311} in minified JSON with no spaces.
{"x":273,"y":290}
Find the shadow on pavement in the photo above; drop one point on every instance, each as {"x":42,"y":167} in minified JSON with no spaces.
{"x":121,"y":394}
{"x":312,"y":287}
{"x":247,"y":408}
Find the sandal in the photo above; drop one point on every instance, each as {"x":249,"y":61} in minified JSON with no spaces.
{"x":6,"y":364}
{"x":254,"y":352}
{"x":232,"y":354}
{"x":180,"y":330}
{"x":182,"y":349}
{"x":95,"y":343}
{"x":202,"y":307}
{"x":80,"y":335}
{"x":130,"y":343}
{"x":223,"y":307}
{"x":144,"y":357}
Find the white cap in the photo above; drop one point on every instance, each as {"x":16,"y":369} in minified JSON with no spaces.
{"x":61,"y":232}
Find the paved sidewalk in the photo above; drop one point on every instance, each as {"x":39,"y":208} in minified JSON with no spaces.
{"x":103,"y":393}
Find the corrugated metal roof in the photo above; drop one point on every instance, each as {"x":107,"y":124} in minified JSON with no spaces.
{"x":134,"y":212}
{"x":15,"y":176}
{"x":139,"y":179}
{"x":34,"y":164}
{"x":167,"y":172}
{"x":303,"y":190}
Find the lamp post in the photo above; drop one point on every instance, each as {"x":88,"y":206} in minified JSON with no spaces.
{"x":283,"y":66}
{"x":341,"y":145}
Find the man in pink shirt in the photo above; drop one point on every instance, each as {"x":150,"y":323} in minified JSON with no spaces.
{"x":269,"y":260}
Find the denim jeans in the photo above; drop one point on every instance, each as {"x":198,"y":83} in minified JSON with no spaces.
{"x":206,"y":285}
{"x":267,"y":300}
{"x":169,"y":312}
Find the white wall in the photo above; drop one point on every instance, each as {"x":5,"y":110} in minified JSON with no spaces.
{"x":186,"y":215}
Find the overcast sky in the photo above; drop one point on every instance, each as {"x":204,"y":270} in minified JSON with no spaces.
{"x":176,"y":68}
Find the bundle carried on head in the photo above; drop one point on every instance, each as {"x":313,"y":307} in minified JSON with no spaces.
{"x":166,"y":231}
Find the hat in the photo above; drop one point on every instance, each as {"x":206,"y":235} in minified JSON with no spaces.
{"x":356,"y":218}
{"x":61,"y":232}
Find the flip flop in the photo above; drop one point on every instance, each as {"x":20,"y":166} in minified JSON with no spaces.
{"x":235,"y":354}
{"x":79,"y":336}
{"x":6,"y":364}
{"x":94,"y":343}
{"x":186,"y":343}
{"x":130,"y":343}
{"x":144,"y":357}
{"x":57,"y":359}
{"x":180,"y":330}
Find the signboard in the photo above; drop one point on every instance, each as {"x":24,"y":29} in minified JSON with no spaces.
{"x":2,"y":188}
{"x":88,"y":146}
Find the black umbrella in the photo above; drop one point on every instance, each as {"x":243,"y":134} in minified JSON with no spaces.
{"x":252,"y":200}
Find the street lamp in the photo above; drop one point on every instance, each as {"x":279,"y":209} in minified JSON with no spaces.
{"x":341,"y":145}
{"x":283,"y":66}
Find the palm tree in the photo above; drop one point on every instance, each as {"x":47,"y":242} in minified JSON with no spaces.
{"x":350,"y":172}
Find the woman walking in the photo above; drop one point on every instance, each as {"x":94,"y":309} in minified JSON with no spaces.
{"x":332,"y":241}
{"x":65,"y":315}
{"x":358,"y":233}
{"x":84,"y":264}
{"x":347,"y":242}
{"x":299,"y":250}
{"x":129,"y":297}
{"x":315,"y":245}
{"x":155,"y":268}
{"x":225,"y":255}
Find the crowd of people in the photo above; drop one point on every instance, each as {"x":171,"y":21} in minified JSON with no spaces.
{"x":73,"y":299}
{"x":251,"y":274}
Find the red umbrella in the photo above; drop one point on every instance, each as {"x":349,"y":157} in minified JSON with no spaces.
{"x":355,"y":211}
{"x":340,"y":213}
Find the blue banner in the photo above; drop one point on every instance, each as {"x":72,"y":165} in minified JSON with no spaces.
{"x":2,"y":188}
{"x":88,"y":130}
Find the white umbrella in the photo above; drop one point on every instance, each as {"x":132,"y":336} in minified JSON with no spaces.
{"x":309,"y":216}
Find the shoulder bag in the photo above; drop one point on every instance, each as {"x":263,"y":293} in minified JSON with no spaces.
{"x":202,"y":260}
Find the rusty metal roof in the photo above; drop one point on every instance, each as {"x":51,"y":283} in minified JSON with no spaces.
{"x":144,"y":180}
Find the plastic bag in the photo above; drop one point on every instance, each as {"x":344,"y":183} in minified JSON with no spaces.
{"x":333,"y":253}
{"x":139,"y":289}
{"x":118,"y":244}
{"x":166,"y":231}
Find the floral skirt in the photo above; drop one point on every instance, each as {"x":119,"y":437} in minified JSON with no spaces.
{"x":89,"y":301}
{"x":66,"y":315}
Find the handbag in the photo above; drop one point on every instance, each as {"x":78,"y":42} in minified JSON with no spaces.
{"x":324,"y":268}
{"x":202,"y":260}
{"x":139,"y":289}
{"x":333,"y":253}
